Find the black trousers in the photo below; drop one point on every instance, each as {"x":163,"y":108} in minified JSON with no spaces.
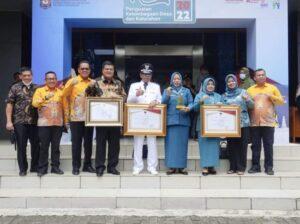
{"x":112,"y":136}
{"x":49,"y":135}
{"x":238,"y":150}
{"x":265,"y":135}
{"x":78,"y":132}
{"x":23,"y":133}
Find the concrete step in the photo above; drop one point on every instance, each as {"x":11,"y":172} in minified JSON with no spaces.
{"x":286,"y":157}
{"x":281,"y":164}
{"x":280,"y":181}
{"x":293,"y":150}
{"x":287,"y":200}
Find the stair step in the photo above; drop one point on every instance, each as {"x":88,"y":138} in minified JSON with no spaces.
{"x":151,"y":199}
{"x":290,"y":150}
{"x":281,"y":164}
{"x":281,"y":180}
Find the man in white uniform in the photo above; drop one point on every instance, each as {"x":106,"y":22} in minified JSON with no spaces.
{"x":145,"y":92}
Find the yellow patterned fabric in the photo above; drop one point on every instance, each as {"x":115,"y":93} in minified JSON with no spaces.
{"x":49,"y":104}
{"x":74,"y":98}
{"x":265,"y":98}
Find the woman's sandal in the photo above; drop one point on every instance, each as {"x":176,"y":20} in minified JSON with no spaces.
{"x":171,"y":171}
{"x":205,"y":172}
{"x":182,"y":171}
{"x":212,"y":171}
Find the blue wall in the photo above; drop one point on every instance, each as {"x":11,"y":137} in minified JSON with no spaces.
{"x":267,"y":34}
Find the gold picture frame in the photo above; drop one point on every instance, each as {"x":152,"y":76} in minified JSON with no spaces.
{"x":220,"y":121}
{"x":139,"y":119}
{"x":101,"y":111}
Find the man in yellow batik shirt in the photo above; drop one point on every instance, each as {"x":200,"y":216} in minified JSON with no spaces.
{"x":263,"y":120}
{"x":74,"y":98}
{"x":48,"y":101}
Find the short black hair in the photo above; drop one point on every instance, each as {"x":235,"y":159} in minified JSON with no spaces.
{"x":50,"y":72}
{"x":84,"y":62}
{"x":260,"y":70}
{"x":25,"y":69}
{"x":16,"y":74}
{"x":107,"y":63}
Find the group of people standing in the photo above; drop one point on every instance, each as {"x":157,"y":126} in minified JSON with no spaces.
{"x":41,"y":114}
{"x":257,"y":102}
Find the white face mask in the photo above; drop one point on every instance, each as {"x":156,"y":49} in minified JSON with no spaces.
{"x":242,"y":76}
{"x":27,"y":84}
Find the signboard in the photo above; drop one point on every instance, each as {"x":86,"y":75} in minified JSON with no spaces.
{"x":159,"y":11}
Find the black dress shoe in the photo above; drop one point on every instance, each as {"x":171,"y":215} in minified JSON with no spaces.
{"x":22,"y":173}
{"x":88,"y":169}
{"x":254,"y":170}
{"x":171,"y":171}
{"x":40,"y":174}
{"x":113,"y":171}
{"x":100,"y":172}
{"x":269,"y":172}
{"x":182,"y":171}
{"x":56,"y":170}
{"x":75,"y":172}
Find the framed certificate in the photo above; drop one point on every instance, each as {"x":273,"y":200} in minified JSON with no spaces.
{"x":139,"y":119}
{"x":220,"y":121}
{"x":104,"y":111}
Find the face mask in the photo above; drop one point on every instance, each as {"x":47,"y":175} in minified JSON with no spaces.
{"x":242,"y":76}
{"x":27,"y":84}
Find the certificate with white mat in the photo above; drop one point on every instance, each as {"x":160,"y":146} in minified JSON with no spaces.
{"x":140,"y":119}
{"x":220,"y":121}
{"x":104,"y":111}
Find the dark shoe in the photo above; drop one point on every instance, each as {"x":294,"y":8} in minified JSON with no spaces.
{"x":100,"y":172}
{"x":182,"y":171}
{"x":22,"y":173}
{"x":113,"y":171}
{"x":56,"y":170}
{"x":212,"y":171}
{"x":269,"y":171}
{"x":40,"y":174}
{"x":254,"y":170}
{"x":171,"y":171}
{"x":75,"y":172}
{"x":88,"y":169}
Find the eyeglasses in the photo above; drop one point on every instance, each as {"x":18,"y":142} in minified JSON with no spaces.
{"x":51,"y":79}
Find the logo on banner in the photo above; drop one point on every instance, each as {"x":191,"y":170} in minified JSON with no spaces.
{"x":45,"y":4}
{"x":152,"y":2}
{"x":276,"y":4}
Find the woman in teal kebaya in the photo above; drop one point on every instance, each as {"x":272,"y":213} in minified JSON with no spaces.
{"x":179,"y":102}
{"x":209,"y":147}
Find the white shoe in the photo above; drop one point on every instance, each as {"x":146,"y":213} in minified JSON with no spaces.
{"x":153,"y":172}
{"x":135,"y":172}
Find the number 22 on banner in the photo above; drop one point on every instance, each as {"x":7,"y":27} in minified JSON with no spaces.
{"x":183,"y":10}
